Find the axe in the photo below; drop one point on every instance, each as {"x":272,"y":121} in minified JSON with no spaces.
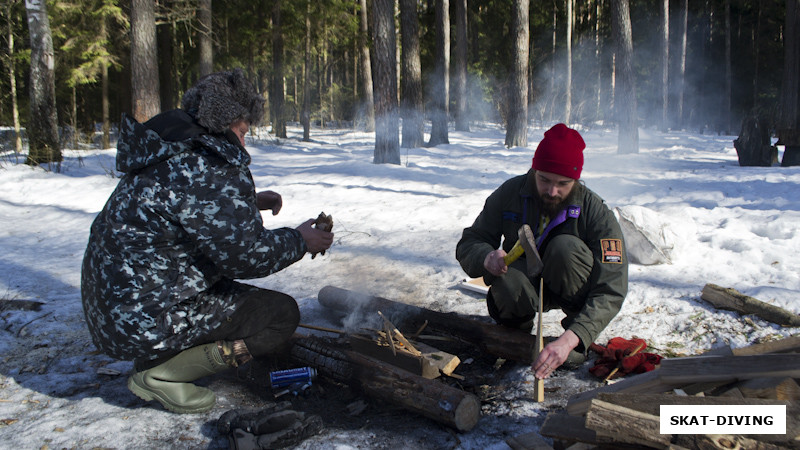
{"x":526,"y":244}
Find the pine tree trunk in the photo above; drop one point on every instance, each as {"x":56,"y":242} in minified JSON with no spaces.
{"x":625,"y":92}
{"x":411,"y":101}
{"x":726,"y":96}
{"x":665,"y":65}
{"x":279,"y":120}
{"x":305,"y":117}
{"x":43,"y":144}
{"x":598,"y":60}
{"x":166,"y":69}
{"x":204,"y":25}
{"x":12,"y":81}
{"x":440,"y":84}
{"x":368,"y":105}
{"x":789,"y":120}
{"x":568,"y":82}
{"x":462,"y":118}
{"x":387,"y":127}
{"x":517,"y":127}
{"x":145,"y":86}
{"x":104,"y":87}
{"x":682,"y":70}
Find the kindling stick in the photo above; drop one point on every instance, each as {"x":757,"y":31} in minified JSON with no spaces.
{"x":619,"y":364}
{"x":538,"y":395}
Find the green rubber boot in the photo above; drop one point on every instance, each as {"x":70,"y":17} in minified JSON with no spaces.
{"x":169,"y":382}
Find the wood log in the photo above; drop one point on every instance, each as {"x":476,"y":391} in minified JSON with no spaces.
{"x":785,"y":345}
{"x":626,"y":425}
{"x":651,"y":404}
{"x":402,"y":358}
{"x":789,"y":344}
{"x":496,"y":340}
{"x":733,"y":300}
{"x":432,"y":399}
{"x":445,"y":362}
{"x":775,"y":388}
{"x":438,"y":401}
{"x":645,"y":383}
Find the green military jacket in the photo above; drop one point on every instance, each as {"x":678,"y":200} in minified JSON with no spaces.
{"x":512,"y":204}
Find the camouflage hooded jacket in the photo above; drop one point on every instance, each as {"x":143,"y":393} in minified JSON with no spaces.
{"x":182,"y":218}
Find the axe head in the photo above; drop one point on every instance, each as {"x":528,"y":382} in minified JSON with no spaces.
{"x":532,"y":258}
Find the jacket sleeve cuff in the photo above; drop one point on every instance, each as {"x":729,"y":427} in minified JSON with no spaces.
{"x":584,"y":336}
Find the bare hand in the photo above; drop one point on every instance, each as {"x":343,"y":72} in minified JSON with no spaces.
{"x":494,"y":263}
{"x":269,"y":200}
{"x":316,"y":239}
{"x":554,"y":354}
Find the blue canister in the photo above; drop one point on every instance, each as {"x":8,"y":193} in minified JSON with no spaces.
{"x":302,"y":375}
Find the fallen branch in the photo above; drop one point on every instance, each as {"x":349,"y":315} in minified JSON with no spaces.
{"x":733,"y":300}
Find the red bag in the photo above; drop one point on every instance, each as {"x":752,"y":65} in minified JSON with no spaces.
{"x":617,"y":354}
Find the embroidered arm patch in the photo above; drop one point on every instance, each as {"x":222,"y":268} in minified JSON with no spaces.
{"x":612,"y":250}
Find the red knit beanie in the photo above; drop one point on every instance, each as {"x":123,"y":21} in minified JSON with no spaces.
{"x":560,"y":152}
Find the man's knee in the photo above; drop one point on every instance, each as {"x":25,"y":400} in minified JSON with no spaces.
{"x":567,"y":265}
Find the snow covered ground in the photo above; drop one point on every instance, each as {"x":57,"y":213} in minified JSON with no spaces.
{"x":396,"y":230}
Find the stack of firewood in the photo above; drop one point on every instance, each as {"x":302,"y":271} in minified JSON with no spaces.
{"x":626,"y":414}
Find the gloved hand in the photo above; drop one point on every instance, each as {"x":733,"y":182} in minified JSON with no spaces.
{"x":276,"y":426}
{"x":617,"y":354}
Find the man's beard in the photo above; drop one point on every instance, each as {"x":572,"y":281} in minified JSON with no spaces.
{"x":550,"y":206}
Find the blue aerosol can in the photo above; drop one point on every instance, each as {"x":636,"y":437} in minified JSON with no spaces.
{"x":301,"y":375}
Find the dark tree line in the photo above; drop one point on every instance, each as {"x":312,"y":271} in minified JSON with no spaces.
{"x":676,"y":64}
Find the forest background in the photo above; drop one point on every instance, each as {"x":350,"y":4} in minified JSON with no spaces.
{"x":74,"y":66}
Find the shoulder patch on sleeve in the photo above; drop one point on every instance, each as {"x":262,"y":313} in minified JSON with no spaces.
{"x":612,"y":250}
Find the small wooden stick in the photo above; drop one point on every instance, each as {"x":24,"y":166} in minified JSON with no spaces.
{"x":422,"y":327}
{"x":388,"y":332}
{"x":399,"y":335}
{"x":616,"y":369}
{"x":538,"y":395}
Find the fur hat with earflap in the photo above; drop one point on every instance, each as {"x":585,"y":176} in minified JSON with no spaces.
{"x":219,"y":99}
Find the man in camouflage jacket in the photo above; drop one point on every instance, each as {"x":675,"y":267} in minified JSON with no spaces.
{"x":579,"y":239}
{"x":184,"y":222}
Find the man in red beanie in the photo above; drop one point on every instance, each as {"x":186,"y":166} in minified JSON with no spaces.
{"x":580,"y":242}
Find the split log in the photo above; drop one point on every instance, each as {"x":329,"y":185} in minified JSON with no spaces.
{"x":445,"y":362}
{"x":733,"y":300}
{"x":645,"y":383}
{"x":626,"y":425}
{"x":678,"y":372}
{"x":785,"y":345}
{"x":496,"y":340}
{"x":775,"y":388}
{"x":438,"y":401}
{"x":651,"y":404}
{"x":402,"y":358}
{"x":720,"y":368}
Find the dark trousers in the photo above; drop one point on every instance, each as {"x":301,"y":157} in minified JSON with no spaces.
{"x":513,"y":298}
{"x":264,"y":319}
